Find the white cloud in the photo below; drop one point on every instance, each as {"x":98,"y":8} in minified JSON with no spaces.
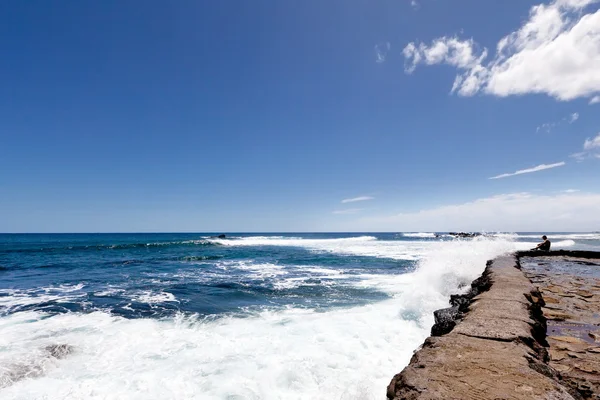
{"x":595,"y":99}
{"x":591,"y":149}
{"x":591,"y":144}
{"x":348,"y":211}
{"x":573,"y":117}
{"x":515,"y":212}
{"x":414,"y":4}
{"x":529,"y":170}
{"x":556,"y":52}
{"x":451,"y":51}
{"x":360,"y":198}
{"x":571,"y":191}
{"x":381,"y":50}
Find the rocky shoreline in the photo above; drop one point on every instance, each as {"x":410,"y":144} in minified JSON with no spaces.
{"x":494,"y":341}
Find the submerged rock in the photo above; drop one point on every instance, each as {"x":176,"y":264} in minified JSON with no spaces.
{"x":34,"y":367}
{"x":59,"y":351}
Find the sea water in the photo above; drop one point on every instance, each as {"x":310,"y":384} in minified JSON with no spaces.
{"x":251,"y":316}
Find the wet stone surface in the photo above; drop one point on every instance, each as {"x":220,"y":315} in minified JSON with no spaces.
{"x":570,"y":288}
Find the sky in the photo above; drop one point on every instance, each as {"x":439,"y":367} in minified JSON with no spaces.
{"x":276,"y":116}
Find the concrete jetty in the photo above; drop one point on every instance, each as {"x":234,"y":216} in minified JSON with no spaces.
{"x":525,"y":334}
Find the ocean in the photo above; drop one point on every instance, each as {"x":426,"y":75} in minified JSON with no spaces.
{"x":251,"y":316}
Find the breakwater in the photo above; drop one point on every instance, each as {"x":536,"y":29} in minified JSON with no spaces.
{"x":525,"y":330}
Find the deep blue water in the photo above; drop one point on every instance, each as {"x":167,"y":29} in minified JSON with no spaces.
{"x":156,"y":275}
{"x":147,"y":275}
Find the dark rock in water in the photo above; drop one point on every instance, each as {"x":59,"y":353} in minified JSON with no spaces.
{"x":221,"y":237}
{"x":59,"y":350}
{"x":461,"y":301}
{"x":464,"y":234}
{"x":480,"y":285}
{"x":445,"y":320}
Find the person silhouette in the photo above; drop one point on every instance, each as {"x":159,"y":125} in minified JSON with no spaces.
{"x":545,"y":245}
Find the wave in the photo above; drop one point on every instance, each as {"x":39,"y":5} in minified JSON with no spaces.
{"x":285,"y":241}
{"x":295,"y":353}
{"x":152,"y":297}
{"x":292,"y":352}
{"x":572,"y":236}
{"x":420,"y":235}
{"x":13,"y":300}
{"x":555,"y":245}
{"x":367,"y":246}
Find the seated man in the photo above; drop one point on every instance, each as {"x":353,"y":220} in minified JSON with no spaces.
{"x":544,"y":246}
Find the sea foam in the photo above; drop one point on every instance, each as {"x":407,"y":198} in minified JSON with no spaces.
{"x":290,"y":353}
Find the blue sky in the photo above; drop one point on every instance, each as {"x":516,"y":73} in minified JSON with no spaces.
{"x":265,"y":116}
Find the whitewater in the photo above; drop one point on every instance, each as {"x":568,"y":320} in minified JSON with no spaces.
{"x":299,"y":316}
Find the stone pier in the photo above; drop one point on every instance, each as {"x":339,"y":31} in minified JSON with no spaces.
{"x":505,"y":340}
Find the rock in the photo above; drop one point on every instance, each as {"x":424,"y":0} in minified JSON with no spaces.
{"x":568,"y":339}
{"x":464,"y":234}
{"x":222,"y":236}
{"x":554,"y":289}
{"x":445,"y":320}
{"x":461,"y":301}
{"x":556,"y":355}
{"x":59,"y":350}
{"x":560,"y":367}
{"x":585,"y":294}
{"x":556,"y":315}
{"x":594,"y":350}
{"x":589,"y":368}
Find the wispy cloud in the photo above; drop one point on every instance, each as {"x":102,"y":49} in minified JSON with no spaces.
{"x":573,"y":117}
{"x":512,"y":212}
{"x":595,"y":100}
{"x":571,"y":191}
{"x":381,"y":51}
{"x":348,"y":211}
{"x":360,"y":198}
{"x":540,"y":167}
{"x":591,"y":149}
{"x":548,"y":126}
{"x":414,"y":4}
{"x":554,"y":32}
{"x":591,"y":144}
